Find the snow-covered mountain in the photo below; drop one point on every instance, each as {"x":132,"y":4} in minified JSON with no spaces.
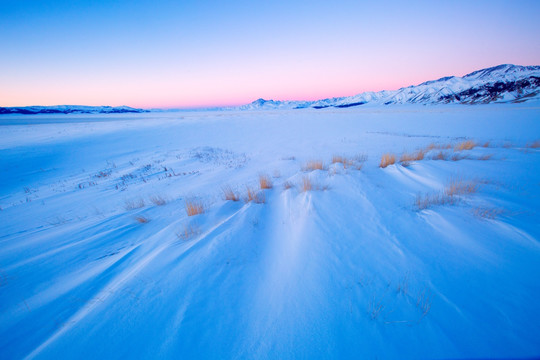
{"x":501,"y":84}
{"x":69,"y":109}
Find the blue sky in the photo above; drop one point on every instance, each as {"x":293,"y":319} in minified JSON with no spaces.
{"x":195,"y":53}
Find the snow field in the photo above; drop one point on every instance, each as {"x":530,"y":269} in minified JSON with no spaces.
{"x":142,"y":240}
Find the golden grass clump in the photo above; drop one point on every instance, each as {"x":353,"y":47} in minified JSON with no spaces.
{"x":426,"y":201}
{"x":387,"y":159}
{"x":265,"y":182}
{"x":450,"y":194}
{"x":433,"y":146}
{"x":190,"y":231}
{"x":485,"y":157}
{"x":441,"y":155}
{"x":287,"y":185}
{"x":229,"y":194}
{"x":406,"y":157}
{"x":314,"y":165}
{"x":465,"y":145}
{"x":359,"y":161}
{"x":141,"y":219}
{"x":257,"y":197}
{"x":158,"y":200}
{"x":417,"y":156}
{"x":194,"y":207}
{"x":457,"y":157}
{"x":134,"y":204}
{"x":486,"y":144}
{"x":460,"y":187}
{"x":346,"y":162}
{"x":307,"y":185}
{"x":337,"y":159}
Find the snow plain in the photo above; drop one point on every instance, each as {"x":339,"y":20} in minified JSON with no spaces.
{"x":352,"y":269}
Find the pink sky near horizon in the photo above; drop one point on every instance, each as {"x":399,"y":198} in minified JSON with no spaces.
{"x":231,"y":91}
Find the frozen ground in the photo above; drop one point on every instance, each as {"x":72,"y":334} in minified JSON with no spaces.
{"x":350,"y":269}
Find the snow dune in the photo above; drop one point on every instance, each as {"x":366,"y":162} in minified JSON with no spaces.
{"x":351,"y":269}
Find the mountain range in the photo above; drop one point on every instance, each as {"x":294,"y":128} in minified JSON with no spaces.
{"x":69,"y":109}
{"x":505,"y":83}
{"x":499,"y":84}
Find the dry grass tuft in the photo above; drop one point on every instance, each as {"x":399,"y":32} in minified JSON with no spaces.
{"x":307,"y":185}
{"x":314,"y":165}
{"x":337,"y":159}
{"x":158,"y":200}
{"x":250,"y":194}
{"x":441,"y":155}
{"x":287,"y":185}
{"x":433,"y":146}
{"x":229,"y":194}
{"x":194,"y":206}
{"x":265,"y":182}
{"x":460,"y":187}
{"x":486,"y":144}
{"x":362,"y":157}
{"x":426,"y":201}
{"x":487,"y":213}
{"x":405,"y":163}
{"x":189,"y":232}
{"x":359,"y":161}
{"x":508,"y":145}
{"x":417,"y":156}
{"x":134,"y":204}
{"x":141,"y":219}
{"x":457,"y":157}
{"x":257,"y":197}
{"x":346,"y":162}
{"x":465,"y":145}
{"x":450,"y":194}
{"x":260,"y":198}
{"x":534,"y":144}
{"x":387,"y":159}
{"x":485,"y":157}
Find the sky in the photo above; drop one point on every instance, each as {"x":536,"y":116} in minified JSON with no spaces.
{"x":186,"y":54}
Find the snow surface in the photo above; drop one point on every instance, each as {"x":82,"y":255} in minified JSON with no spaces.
{"x":352,"y":270}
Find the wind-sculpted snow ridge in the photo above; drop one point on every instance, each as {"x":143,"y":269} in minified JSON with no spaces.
{"x":272,"y":235}
{"x":69,"y":109}
{"x":499,"y":84}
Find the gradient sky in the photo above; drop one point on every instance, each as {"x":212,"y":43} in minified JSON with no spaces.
{"x":207,"y":53}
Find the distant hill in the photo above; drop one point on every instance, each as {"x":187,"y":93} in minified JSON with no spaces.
{"x":69,"y":109}
{"x":500,"y":84}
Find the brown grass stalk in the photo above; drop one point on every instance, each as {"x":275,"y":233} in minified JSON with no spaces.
{"x":141,"y":219}
{"x":265,"y":182}
{"x":194,"y":207}
{"x":465,"y":145}
{"x":229,"y":194}
{"x":134,"y":204}
{"x":314,"y":165}
{"x":387,"y":159}
{"x":190,"y":231}
{"x":158,"y":200}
